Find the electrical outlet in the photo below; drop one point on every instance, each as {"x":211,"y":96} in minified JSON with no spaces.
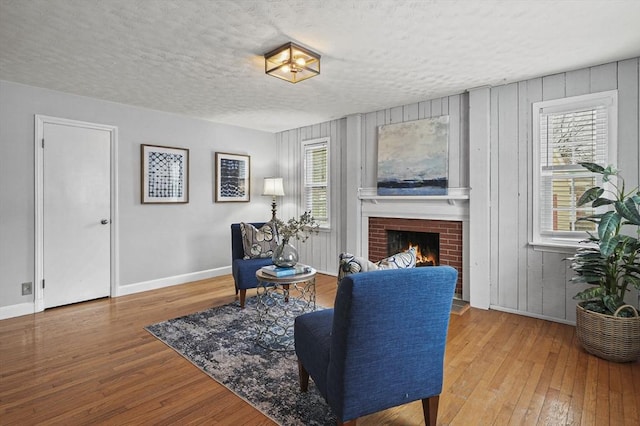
{"x":27,"y":288}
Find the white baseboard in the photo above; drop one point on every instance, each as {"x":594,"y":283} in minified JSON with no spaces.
{"x":123,"y":290}
{"x":529,"y":314}
{"x":29,"y":308}
{"x":17,"y":310}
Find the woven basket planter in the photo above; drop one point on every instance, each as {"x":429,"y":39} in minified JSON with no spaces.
{"x":609,"y":337}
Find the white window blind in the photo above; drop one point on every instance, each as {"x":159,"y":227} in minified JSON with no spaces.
{"x":570,"y":131}
{"x":316,"y":179}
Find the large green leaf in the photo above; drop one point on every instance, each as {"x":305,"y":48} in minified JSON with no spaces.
{"x":590,"y":293}
{"x":602,"y":202}
{"x":607,"y":228}
{"x":590,"y":194}
{"x":593,"y":167}
{"x":611,"y":302}
{"x":629,"y":211}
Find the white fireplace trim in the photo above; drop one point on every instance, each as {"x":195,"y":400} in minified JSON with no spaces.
{"x":430,"y":208}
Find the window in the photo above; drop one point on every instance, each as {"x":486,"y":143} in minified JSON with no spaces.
{"x":567,"y":132}
{"x":316,"y":179}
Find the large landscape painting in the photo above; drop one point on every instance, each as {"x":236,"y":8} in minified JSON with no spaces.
{"x":413,"y":157}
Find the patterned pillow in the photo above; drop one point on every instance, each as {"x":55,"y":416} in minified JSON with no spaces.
{"x":350,"y":264}
{"x":406,"y":259}
{"x":258,"y":242}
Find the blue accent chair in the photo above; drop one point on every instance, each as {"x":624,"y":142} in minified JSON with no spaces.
{"x":382,"y":345}
{"x":244,"y":270}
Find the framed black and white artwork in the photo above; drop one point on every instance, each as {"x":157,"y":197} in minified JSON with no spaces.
{"x":165,"y":174}
{"x":232,"y":177}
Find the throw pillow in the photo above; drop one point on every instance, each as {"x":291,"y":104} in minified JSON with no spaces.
{"x":258,"y":243}
{"x":350,"y":264}
{"x":406,"y":259}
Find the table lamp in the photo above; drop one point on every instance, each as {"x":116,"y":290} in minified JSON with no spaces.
{"x":273,"y":186}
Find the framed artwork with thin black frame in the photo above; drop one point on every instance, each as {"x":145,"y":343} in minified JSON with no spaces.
{"x":165,"y":174}
{"x":233,"y":177}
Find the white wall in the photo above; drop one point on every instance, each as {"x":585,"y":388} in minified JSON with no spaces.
{"x":353,"y":163}
{"x":525,"y":280}
{"x":320,"y":250}
{"x":157,"y":243}
{"x":517,"y":278}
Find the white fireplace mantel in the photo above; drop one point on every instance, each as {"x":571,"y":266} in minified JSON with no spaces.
{"x":453,"y":206}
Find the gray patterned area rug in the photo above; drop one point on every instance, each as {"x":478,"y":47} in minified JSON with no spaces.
{"x":221,"y":341}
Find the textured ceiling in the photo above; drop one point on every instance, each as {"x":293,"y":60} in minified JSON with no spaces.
{"x":203,"y":58}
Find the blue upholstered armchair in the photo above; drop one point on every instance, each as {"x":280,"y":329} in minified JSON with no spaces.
{"x":244,"y":270}
{"x":383,"y":343}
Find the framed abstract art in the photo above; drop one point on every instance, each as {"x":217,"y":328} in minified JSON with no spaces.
{"x":165,"y":174}
{"x":232,"y":177}
{"x":413,"y":157}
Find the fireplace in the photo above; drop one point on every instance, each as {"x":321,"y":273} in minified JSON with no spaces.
{"x":426,"y":244}
{"x":448,"y":235}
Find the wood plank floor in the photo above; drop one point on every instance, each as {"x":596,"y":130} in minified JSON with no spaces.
{"x":93,"y":363}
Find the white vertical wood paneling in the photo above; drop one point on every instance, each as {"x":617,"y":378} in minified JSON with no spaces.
{"x":604,"y":77}
{"x":396,"y":115}
{"x":479,"y":194}
{"x":554,"y":285}
{"x":524,"y":183}
{"x":444,"y":106}
{"x":424,"y":109}
{"x":553,"y":87}
{"x":436,"y":108}
{"x":521,"y":278}
{"x":495,"y":196}
{"x":578,"y":82}
{"x":627,"y":125}
{"x":370,"y":149}
{"x":455,"y":159}
{"x":541,"y":279}
{"x":410,"y":112}
{"x":322,"y":250}
{"x":507,"y":167}
{"x":463,"y":135}
{"x":629,"y":129}
{"x":533,"y":257}
{"x":573,"y":288}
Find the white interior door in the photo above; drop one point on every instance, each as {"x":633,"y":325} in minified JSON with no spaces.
{"x":76,"y":264}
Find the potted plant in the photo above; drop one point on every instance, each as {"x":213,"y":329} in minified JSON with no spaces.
{"x":285,"y":254}
{"x":610,"y":264}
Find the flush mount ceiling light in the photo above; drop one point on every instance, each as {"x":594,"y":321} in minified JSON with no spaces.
{"x":292,"y":63}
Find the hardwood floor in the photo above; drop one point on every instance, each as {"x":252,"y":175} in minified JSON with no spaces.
{"x":93,"y":363}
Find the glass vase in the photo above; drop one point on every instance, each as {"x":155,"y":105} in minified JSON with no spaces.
{"x":285,"y":255}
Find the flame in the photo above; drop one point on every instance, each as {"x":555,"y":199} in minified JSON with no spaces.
{"x":427,"y":258}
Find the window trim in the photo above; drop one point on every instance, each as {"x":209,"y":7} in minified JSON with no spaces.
{"x":609,"y":99}
{"x":324,"y":225}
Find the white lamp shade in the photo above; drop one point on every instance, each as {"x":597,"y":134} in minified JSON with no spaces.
{"x":273,"y":186}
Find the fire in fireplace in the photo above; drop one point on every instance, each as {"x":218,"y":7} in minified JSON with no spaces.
{"x":427,"y":245}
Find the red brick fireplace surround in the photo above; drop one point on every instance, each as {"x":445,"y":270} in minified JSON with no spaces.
{"x":450,"y":239}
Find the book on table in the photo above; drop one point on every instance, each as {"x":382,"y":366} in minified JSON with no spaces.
{"x":279,"y":271}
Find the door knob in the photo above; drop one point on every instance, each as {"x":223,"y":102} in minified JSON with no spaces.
{"x":104,"y":221}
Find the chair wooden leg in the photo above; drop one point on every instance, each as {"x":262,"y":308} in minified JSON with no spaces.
{"x":243,"y":296}
{"x":430,"y":408}
{"x":303,"y":374}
